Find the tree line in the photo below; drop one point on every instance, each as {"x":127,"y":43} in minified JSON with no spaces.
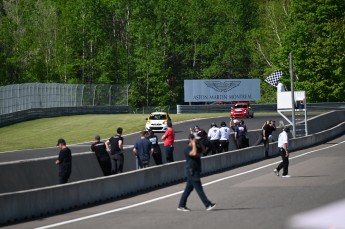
{"x":155,"y":45}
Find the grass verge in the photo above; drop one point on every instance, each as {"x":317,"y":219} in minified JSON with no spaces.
{"x":76,"y":129}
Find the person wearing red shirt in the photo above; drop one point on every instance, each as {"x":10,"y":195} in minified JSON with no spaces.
{"x":169,"y":138}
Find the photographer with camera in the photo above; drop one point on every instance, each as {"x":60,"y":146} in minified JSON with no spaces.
{"x":203,"y":138}
{"x":193,"y":153}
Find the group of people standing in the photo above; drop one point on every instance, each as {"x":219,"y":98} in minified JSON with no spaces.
{"x":147,"y":145}
{"x":217,"y":139}
{"x":110,"y":153}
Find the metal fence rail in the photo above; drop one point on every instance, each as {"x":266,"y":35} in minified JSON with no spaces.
{"x":19,"y":97}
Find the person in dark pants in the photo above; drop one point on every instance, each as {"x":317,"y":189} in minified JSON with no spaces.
{"x":102,"y":155}
{"x":265,"y":134}
{"x":169,"y":139}
{"x":64,"y":161}
{"x":284,"y":153}
{"x":193,"y":172}
{"x":240,"y":135}
{"x":270,"y":131}
{"x":214,"y":135}
{"x":115,"y":147}
{"x":157,"y":153}
{"x":224,"y":137}
{"x":143,"y":150}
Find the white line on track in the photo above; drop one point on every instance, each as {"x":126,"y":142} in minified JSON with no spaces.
{"x":176,"y":193}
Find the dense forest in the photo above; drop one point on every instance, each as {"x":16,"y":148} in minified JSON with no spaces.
{"x":154,"y":45}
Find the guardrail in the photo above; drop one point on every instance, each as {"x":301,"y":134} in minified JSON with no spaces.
{"x":182,"y":109}
{"x":49,"y":200}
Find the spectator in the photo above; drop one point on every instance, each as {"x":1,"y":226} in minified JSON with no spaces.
{"x":260,"y":138}
{"x":224,"y":137}
{"x":203,"y":138}
{"x":157,"y":153}
{"x":240,"y":135}
{"x":143,"y":150}
{"x":234,"y":123}
{"x":64,"y":161}
{"x":115,"y":147}
{"x":280,"y":87}
{"x":272,"y":128}
{"x":265,"y":134}
{"x":169,"y":138}
{"x":214,"y":135}
{"x":102,"y":155}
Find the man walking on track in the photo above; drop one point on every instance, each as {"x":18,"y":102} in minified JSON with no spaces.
{"x":192,"y":154}
{"x":284,"y":153}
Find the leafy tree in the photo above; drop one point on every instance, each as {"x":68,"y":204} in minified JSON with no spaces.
{"x":316,"y":38}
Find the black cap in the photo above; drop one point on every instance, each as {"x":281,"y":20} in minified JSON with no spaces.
{"x":97,"y":137}
{"x":61,"y":141}
{"x":119,"y":130}
{"x":223,"y":124}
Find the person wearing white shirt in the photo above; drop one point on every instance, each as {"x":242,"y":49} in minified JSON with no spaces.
{"x":214,"y":135}
{"x":280,"y":87}
{"x":283,"y":142}
{"x":224,"y":137}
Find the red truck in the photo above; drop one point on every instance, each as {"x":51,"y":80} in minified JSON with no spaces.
{"x":241,"y":110}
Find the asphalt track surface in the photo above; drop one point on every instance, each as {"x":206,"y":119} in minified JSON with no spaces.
{"x":181,"y":132}
{"x":250,"y":196}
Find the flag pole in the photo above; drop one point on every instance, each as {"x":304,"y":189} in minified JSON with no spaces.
{"x":292,"y":97}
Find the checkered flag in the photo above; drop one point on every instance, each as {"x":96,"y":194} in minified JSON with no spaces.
{"x":274,"y":77}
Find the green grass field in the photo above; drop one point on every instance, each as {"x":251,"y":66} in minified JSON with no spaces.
{"x":76,"y":129}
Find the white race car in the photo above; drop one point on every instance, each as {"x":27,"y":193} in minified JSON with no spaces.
{"x":157,"y":121}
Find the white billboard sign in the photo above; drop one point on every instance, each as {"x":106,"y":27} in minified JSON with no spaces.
{"x":284,"y":99}
{"x":221,"y":90}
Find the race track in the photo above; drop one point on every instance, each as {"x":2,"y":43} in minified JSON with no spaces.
{"x":250,"y":196}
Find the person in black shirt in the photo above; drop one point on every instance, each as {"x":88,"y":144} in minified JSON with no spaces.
{"x":115,"y":147}
{"x":271,"y":129}
{"x":193,"y":172}
{"x":102,"y":155}
{"x":64,"y":161}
